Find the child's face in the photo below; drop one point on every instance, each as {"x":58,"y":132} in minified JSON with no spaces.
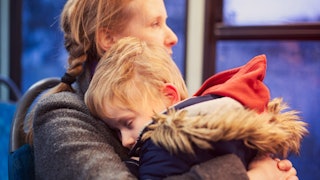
{"x":128,"y":123}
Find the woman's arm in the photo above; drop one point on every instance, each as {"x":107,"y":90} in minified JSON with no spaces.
{"x":223,"y":167}
{"x":230,"y":167}
{"x":71,"y":144}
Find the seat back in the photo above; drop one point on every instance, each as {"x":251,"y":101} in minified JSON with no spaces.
{"x":20,"y":160}
{"x":17,"y":133}
{"x":11,"y":86}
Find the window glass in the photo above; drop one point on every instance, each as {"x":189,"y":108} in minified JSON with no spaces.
{"x":293,"y":72}
{"x":43,"y":50}
{"x":177,"y":21}
{"x":261,"y":12}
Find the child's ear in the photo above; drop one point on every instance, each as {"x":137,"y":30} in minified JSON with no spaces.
{"x":105,"y":39}
{"x":171,"y":93}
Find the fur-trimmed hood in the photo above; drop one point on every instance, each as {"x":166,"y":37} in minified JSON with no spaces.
{"x":278,"y":130}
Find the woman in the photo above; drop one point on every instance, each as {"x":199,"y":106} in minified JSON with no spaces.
{"x":68,"y":142}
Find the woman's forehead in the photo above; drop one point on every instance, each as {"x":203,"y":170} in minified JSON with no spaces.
{"x":145,"y":9}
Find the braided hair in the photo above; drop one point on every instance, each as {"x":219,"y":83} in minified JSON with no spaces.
{"x":80,"y":22}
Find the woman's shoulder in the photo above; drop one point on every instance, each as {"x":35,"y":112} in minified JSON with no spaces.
{"x":62,"y":97}
{"x":62,"y":108}
{"x":67,"y":101}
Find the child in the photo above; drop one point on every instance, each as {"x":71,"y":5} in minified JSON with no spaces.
{"x":230,"y":113}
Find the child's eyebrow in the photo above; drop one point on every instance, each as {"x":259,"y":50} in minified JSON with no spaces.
{"x":111,"y":122}
{"x":119,"y":121}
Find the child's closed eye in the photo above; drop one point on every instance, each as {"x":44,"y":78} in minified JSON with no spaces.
{"x":129,"y":124}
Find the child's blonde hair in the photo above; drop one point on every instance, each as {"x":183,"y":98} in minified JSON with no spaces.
{"x":130,"y":75}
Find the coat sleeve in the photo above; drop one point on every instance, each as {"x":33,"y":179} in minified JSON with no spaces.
{"x":71,"y":144}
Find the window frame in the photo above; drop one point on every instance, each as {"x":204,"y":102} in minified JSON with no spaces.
{"x":15,"y":41}
{"x":216,"y":30}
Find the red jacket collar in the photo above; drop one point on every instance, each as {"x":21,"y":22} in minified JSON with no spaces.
{"x":244,"y":84}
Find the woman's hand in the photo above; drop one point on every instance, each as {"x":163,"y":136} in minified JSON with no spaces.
{"x":267,"y":168}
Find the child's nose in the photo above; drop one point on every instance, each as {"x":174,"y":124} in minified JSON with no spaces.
{"x":128,"y":141}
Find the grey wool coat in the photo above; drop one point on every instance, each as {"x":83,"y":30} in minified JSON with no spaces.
{"x":69,"y":143}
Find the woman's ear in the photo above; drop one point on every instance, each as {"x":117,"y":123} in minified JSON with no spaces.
{"x":171,"y":94}
{"x":105,"y":39}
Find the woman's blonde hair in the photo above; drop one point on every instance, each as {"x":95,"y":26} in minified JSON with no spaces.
{"x":81,"y":20}
{"x":131,"y":75}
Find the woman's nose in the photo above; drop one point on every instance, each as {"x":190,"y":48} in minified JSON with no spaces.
{"x":171,"y":38}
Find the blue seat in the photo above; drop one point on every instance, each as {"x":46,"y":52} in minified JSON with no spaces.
{"x":21,"y":163}
{"x":21,"y":159}
{"x":7,"y":109}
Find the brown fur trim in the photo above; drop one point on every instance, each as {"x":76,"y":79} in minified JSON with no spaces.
{"x":274,"y":131}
